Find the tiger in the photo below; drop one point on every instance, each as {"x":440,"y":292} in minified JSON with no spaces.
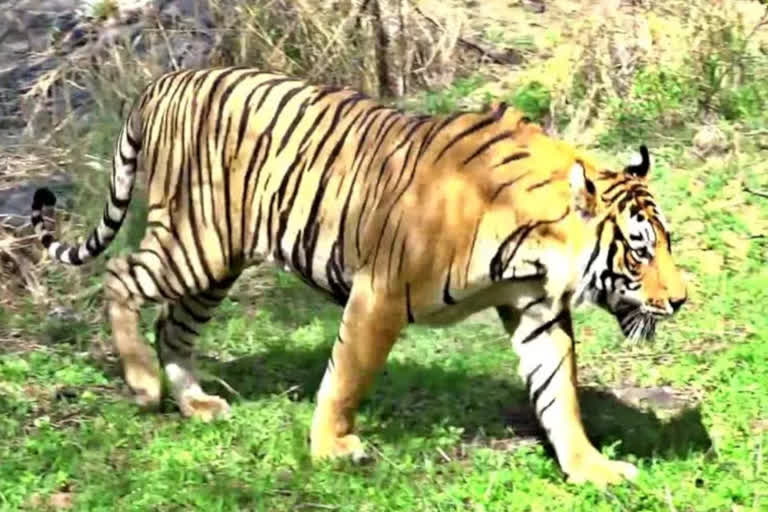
{"x":400,"y":218}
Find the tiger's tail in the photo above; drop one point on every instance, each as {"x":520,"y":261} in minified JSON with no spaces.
{"x":121,"y":184}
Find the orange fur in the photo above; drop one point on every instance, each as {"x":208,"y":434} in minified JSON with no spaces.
{"x":401,"y":219}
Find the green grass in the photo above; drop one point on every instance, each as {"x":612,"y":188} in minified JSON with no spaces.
{"x":447,"y":422}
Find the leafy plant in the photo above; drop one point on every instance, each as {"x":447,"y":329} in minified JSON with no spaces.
{"x":533,"y":99}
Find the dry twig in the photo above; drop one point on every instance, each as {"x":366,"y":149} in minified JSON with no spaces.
{"x":758,"y":193}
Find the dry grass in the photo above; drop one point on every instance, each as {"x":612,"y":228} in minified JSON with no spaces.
{"x":339,"y":42}
{"x":302,"y":38}
{"x":593,"y":52}
{"x":586,"y":54}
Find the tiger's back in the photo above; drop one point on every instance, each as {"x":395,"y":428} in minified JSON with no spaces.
{"x":317,"y":179}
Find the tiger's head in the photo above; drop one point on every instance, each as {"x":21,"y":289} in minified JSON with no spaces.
{"x":629,"y":270}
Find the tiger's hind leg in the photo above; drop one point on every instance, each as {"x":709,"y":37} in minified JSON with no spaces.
{"x":161,"y":271}
{"x":130,"y":282}
{"x":177,"y":328}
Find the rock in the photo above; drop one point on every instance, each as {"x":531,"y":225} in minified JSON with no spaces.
{"x":535,"y":6}
{"x":710,"y":140}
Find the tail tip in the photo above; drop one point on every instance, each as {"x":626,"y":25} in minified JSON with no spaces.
{"x":43,"y":197}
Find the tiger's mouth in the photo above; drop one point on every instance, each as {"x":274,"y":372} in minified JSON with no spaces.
{"x":637,"y":321}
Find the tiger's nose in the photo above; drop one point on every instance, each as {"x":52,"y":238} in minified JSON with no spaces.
{"x":677,"y":303}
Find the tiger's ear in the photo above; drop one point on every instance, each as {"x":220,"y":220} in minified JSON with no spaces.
{"x":583,"y":191}
{"x":640,"y":164}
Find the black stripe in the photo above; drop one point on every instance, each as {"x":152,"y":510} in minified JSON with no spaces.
{"x":74,"y":256}
{"x":120,"y":279}
{"x":203,"y":145}
{"x":506,"y":184}
{"x":408,"y":310}
{"x":343,"y":176}
{"x":529,"y":377}
{"x":172,"y":263}
{"x":392,"y":249}
{"x":362,"y":139}
{"x":271,"y":84}
{"x":471,"y":250}
{"x":544,"y":409}
{"x":536,"y":394}
{"x":546,"y":326}
{"x":297,"y":118}
{"x":194,"y":224}
{"x":286,"y":209}
{"x":402,"y":256}
{"x":447,"y":287}
{"x":287,"y":96}
{"x":311,"y":228}
{"x":313,"y":127}
{"x":182,"y":96}
{"x":181,"y":325}
{"x":325,"y":91}
{"x":119,"y":203}
{"x":187,"y":257}
{"x":330,"y":131}
{"x":539,"y":184}
{"x":469,"y":131}
{"x":111,"y":223}
{"x":358,"y":235}
{"x":385,"y":222}
{"x":610,"y":189}
{"x":178,"y":345}
{"x":225,"y":94}
{"x":437,"y":128}
{"x":533,"y":303}
{"x":225,"y":170}
{"x":247,"y":184}
{"x":486,"y":145}
{"x":501,"y":260}
{"x":132,"y":272}
{"x":200,"y":318}
{"x":135,"y":144}
{"x":407,"y":139}
{"x":158,"y":122}
{"x":596,"y":250}
{"x":512,"y":158}
{"x":174,"y":295}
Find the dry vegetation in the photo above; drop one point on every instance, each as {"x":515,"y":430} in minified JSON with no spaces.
{"x":688,"y":77}
{"x":607,"y":73}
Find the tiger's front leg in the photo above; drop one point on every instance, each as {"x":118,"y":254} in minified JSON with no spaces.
{"x":542,"y":337}
{"x":369,"y":327}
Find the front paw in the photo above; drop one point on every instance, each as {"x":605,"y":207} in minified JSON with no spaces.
{"x":330,"y":447}
{"x":600,"y":470}
{"x":196,"y":404}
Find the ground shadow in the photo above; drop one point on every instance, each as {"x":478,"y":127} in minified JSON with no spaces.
{"x":413,"y":399}
{"x":410,"y":398}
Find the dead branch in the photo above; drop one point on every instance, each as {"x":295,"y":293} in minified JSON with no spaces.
{"x":758,"y":193}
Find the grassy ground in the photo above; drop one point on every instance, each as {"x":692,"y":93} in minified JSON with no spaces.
{"x":448,"y":422}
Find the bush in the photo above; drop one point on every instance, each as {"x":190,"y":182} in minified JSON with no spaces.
{"x":533,"y":99}
{"x":657,"y":102}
